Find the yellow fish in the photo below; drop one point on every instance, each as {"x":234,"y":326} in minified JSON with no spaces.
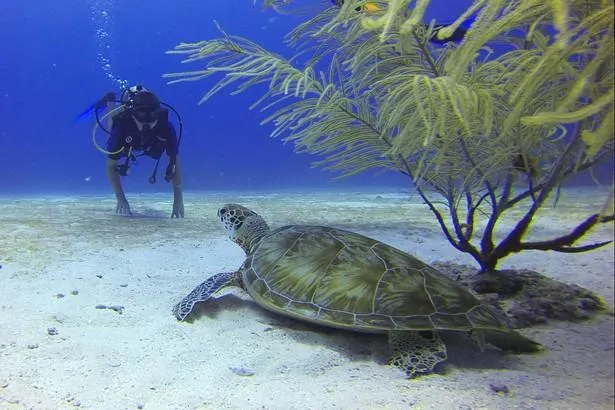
{"x":366,"y":8}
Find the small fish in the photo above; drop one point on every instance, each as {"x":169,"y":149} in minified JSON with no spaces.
{"x":525,"y":165}
{"x":456,"y":37}
{"x":242,"y":371}
{"x":366,"y":8}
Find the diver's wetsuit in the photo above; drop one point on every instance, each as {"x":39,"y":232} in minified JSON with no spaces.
{"x":150,"y":141}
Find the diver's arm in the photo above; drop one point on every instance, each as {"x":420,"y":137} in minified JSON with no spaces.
{"x":174,"y":173}
{"x":177,"y":178}
{"x":178,"y":196}
{"x":110,"y":99}
{"x":122,"y":207}
{"x":110,"y":107}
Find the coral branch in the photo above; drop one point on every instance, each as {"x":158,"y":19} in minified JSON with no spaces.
{"x":564,"y":243}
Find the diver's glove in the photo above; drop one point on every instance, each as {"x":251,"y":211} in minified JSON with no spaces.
{"x":170,"y":173}
{"x":109,"y":97}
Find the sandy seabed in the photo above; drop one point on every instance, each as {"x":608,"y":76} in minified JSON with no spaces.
{"x":63,"y":256}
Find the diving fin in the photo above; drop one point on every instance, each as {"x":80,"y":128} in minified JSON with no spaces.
{"x":89,"y":112}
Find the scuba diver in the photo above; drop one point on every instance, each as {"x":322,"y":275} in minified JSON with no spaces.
{"x":138,"y":126}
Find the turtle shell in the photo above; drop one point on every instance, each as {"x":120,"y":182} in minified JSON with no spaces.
{"x":346,"y":280}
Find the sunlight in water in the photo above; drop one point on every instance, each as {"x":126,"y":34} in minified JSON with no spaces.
{"x":102,"y":19}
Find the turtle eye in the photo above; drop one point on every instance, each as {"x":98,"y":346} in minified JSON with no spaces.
{"x":235,"y":222}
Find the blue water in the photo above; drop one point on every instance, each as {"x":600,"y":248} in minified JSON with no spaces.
{"x":60,"y":56}
{"x":52,"y":69}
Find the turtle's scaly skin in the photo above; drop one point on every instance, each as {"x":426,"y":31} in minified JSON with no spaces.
{"x":346,"y":280}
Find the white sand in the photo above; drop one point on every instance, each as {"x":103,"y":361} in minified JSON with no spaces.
{"x":144,"y":358}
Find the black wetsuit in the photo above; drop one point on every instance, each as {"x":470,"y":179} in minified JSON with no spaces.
{"x":150,"y":140}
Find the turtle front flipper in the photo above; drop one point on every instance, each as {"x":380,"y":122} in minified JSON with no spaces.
{"x":204,"y":291}
{"x":416,"y":353}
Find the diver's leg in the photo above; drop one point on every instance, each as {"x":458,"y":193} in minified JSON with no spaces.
{"x":122,"y":207}
{"x":178,"y":196}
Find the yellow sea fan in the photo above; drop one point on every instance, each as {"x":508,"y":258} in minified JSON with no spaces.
{"x":596,"y":140}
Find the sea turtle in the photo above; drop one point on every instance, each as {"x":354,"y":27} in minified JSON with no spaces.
{"x":345,"y":280}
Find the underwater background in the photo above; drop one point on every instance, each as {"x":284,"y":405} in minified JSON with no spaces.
{"x":58,"y":51}
{"x":61,"y":56}
{"x":86,"y":297}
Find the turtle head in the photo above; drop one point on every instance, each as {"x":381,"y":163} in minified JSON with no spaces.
{"x":244,"y":226}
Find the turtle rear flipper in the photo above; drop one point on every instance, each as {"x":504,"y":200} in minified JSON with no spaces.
{"x":512,"y":341}
{"x":203,"y":292}
{"x":416,"y":353}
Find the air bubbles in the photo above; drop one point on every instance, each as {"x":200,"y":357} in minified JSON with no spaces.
{"x":101,"y":12}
